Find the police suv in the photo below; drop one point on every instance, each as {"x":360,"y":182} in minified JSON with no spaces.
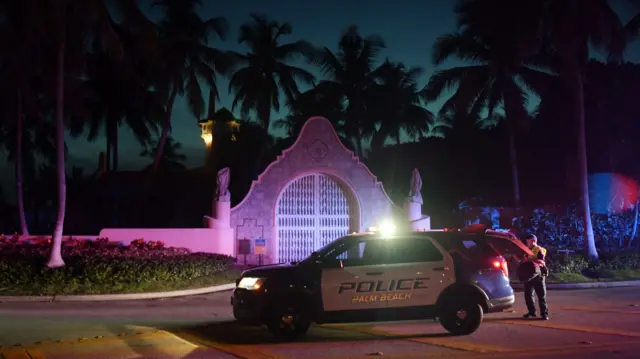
{"x":455,"y":276}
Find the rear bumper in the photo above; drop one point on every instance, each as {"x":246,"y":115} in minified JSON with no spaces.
{"x":499,"y":304}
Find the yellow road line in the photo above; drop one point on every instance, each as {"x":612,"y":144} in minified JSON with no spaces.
{"x":570,"y":327}
{"x":444,"y":342}
{"x":73,"y":343}
{"x":242,"y":351}
{"x":161,"y":341}
{"x":14,"y":354}
{"x":466,"y":346}
{"x":557,"y":352}
{"x":461,"y":345}
{"x":36,"y":354}
{"x":603,"y":310}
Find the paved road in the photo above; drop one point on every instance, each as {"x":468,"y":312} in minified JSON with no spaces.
{"x":598,"y":323}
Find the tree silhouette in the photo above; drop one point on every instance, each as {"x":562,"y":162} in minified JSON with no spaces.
{"x":350,"y":76}
{"x":568,"y":28}
{"x":498,"y":76}
{"x":186,"y":59}
{"x":171,"y":156}
{"x":264,"y":71}
{"x":396,"y":104}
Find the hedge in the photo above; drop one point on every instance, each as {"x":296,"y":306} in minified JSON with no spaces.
{"x":101,"y":266}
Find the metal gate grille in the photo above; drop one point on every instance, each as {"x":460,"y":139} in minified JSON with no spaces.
{"x":311,"y":212}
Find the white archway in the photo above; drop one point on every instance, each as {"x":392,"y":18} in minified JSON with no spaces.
{"x":311,"y":211}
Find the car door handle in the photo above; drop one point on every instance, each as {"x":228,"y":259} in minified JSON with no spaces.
{"x":440,"y":269}
{"x":374,"y":273}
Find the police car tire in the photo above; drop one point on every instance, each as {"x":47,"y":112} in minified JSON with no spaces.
{"x":472,"y":322}
{"x":300,"y":329}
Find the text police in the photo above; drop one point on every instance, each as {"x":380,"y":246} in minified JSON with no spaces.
{"x":374,"y":291}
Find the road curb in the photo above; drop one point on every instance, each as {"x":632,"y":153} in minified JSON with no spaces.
{"x":119,"y":297}
{"x":587,"y":285}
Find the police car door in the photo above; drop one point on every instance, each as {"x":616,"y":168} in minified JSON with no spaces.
{"x":349,"y":279}
{"x":418,"y":270}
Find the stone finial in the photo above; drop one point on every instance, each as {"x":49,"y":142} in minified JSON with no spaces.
{"x":416,"y":186}
{"x":222,"y":189}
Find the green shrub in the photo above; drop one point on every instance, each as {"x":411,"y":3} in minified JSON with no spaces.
{"x":576,"y":264}
{"x":103,"y":267}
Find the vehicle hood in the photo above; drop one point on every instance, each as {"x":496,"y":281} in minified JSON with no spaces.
{"x":267,"y":271}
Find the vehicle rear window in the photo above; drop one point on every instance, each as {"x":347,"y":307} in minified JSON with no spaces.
{"x":467,"y":245}
{"x":506,"y":247}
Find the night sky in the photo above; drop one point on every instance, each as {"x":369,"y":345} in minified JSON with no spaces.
{"x":409,"y":28}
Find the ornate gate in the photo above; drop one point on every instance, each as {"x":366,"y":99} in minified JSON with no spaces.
{"x":311,"y":212}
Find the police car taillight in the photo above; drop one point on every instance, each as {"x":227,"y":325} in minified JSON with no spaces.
{"x":500,"y":263}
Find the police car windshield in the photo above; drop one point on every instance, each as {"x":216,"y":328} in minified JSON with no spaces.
{"x":326,"y":249}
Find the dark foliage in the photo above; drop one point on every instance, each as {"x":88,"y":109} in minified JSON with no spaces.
{"x":99,"y":266}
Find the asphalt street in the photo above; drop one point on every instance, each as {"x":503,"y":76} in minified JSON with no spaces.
{"x":600,"y":323}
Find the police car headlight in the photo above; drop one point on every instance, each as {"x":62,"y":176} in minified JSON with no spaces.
{"x":251,"y":283}
{"x":387,"y":228}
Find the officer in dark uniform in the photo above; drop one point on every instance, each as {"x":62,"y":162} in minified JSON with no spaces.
{"x":537,"y":282}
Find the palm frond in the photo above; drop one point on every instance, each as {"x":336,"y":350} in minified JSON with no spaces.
{"x":460,"y":46}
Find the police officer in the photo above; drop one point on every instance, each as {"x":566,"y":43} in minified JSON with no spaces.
{"x":536,"y":284}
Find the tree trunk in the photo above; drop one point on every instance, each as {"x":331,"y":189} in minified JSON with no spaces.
{"x":264,"y":114}
{"x":107,"y":155}
{"x":513,"y":162}
{"x":590,"y":251}
{"x":114,"y":168}
{"x":18,"y":168}
{"x":635,"y":225}
{"x":394,"y":165}
{"x":114,"y":146}
{"x":55,"y":257}
{"x":359,"y":143}
{"x":512,"y":119}
{"x":165,"y":129}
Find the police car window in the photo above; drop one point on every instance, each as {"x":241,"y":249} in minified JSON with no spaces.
{"x":357,"y":253}
{"x":505,"y":247}
{"x":469,"y":244}
{"x":413,"y":250}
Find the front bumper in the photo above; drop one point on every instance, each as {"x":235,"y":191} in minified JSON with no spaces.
{"x":248,"y":306}
{"x":499,"y":304}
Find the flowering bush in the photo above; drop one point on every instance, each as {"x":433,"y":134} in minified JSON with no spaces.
{"x":102,"y":266}
{"x":563,"y":228}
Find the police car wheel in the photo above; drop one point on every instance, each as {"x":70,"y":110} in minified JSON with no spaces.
{"x":288,"y":324}
{"x":462,"y":319}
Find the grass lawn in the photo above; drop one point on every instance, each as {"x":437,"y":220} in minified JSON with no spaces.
{"x":603,"y":276}
{"x":143,"y":286}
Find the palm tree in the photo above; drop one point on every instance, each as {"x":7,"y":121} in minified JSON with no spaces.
{"x":121,"y":97}
{"x":264,"y":72}
{"x":498,"y":76}
{"x":312,"y":103}
{"x":350,"y":75}
{"x":21,"y":65}
{"x":397,"y":105}
{"x":121,"y":87}
{"x":632,"y":28}
{"x":62,"y":28}
{"x":186,"y":59}
{"x":171,"y":156}
{"x":568,"y":27}
{"x":27,"y":138}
